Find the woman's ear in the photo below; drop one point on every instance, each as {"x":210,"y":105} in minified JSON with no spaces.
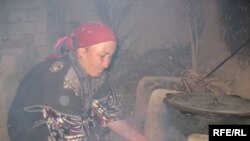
{"x":81,"y":50}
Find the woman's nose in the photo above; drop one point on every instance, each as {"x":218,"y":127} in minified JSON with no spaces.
{"x":106,"y":62}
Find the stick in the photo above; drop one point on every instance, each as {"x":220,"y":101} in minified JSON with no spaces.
{"x":224,"y":61}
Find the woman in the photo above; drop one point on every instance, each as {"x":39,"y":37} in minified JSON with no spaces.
{"x":68,"y":97}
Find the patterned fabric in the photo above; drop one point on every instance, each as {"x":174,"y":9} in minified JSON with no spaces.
{"x":63,"y":127}
{"x":71,"y":82}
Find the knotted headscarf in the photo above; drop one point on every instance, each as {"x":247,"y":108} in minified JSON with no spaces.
{"x":83,"y":36}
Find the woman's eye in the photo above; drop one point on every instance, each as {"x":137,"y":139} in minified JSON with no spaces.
{"x":102,"y":56}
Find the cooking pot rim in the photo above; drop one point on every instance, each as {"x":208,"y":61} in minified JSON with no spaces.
{"x":170,"y":100}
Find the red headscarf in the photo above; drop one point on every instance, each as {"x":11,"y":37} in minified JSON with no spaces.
{"x":83,"y":36}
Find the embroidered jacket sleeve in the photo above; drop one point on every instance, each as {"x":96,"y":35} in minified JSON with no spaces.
{"x":105,"y":104}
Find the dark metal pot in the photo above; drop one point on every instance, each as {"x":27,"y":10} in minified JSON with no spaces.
{"x":192,"y":113}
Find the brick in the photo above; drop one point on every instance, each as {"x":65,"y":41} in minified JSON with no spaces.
{"x":40,"y":27}
{"x":40,"y":39}
{"x":25,"y":4}
{"x":15,"y":42}
{"x":20,"y":28}
{"x":3,"y":30}
{"x":17,"y":16}
{"x":36,"y":14}
{"x":8,"y":61}
{"x":3,"y":15}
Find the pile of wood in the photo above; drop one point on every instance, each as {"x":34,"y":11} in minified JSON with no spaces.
{"x":190,"y":84}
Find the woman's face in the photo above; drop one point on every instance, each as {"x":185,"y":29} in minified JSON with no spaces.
{"x":96,"y":58}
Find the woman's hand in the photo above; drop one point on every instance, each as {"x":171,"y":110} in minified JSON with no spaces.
{"x":123,"y":129}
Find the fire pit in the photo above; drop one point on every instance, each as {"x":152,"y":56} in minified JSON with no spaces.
{"x":192,"y":113}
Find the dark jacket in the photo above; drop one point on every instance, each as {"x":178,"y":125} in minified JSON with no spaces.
{"x":45,"y":94}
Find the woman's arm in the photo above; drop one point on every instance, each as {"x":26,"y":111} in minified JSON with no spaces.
{"x":123,"y":129}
